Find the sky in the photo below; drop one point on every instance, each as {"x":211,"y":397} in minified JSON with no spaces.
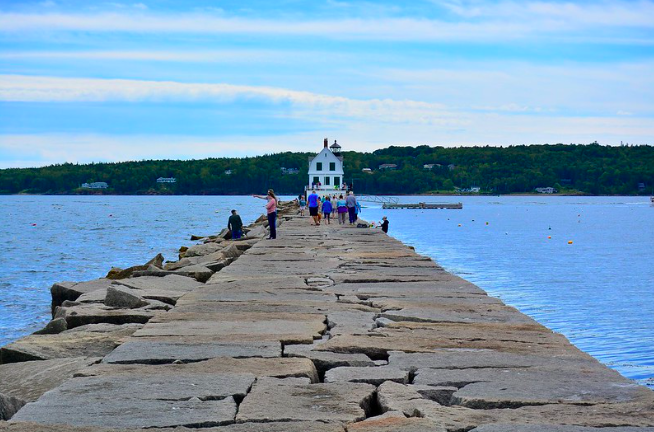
{"x":84,"y":81}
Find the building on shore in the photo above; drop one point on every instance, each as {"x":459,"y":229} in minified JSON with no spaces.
{"x":326,"y":168}
{"x":95,"y":185}
{"x":546,"y":190}
{"x":166,"y":180}
{"x":387,"y":167}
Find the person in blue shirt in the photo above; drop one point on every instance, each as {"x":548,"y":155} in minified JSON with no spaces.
{"x":327,"y":209}
{"x":313,"y":206}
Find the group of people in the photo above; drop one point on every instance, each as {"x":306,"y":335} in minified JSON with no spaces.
{"x":329,"y":206}
{"x":319,"y":207}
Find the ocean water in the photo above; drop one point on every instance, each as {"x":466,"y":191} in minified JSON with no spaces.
{"x":48,"y":239}
{"x":597,"y":291}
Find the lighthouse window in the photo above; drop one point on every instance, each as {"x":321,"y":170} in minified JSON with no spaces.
{"x":318,"y":166}
{"x":332,"y":166}
{"x":327,"y":181}
{"x":337,"y":181}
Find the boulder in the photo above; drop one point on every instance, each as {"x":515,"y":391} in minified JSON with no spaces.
{"x":225,"y":234}
{"x":62,"y":291}
{"x":55,"y":326}
{"x":123,"y":298}
{"x":118,"y":273}
{"x":202,"y":249}
{"x":231,"y":251}
{"x":256,"y":232}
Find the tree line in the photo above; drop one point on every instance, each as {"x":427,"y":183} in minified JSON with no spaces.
{"x":589,"y":169}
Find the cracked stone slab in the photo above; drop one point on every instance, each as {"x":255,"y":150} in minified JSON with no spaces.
{"x":28,"y":380}
{"x":461,"y":358}
{"x":260,"y":367}
{"x":394,"y":421}
{"x":266,"y":328}
{"x":458,"y":313}
{"x":325,"y":360}
{"x":272,"y":400}
{"x":162,"y":351}
{"x":71,"y":343}
{"x":92,"y":313}
{"x":350,"y":322}
{"x":129,"y":413}
{"x":426,"y":337}
{"x":371,"y":375}
{"x":301,"y":296}
{"x":173,"y":283}
{"x":515,"y":387}
{"x":141,"y":387}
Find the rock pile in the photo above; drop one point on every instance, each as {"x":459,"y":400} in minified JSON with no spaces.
{"x":327,"y":329}
{"x":92,"y":318}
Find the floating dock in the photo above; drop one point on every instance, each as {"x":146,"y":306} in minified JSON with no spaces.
{"x":422,"y":206}
{"x":328,"y":328}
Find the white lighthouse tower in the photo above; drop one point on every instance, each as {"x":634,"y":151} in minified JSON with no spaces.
{"x":326,"y":170}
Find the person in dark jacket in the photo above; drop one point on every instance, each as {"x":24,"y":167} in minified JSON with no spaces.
{"x":235,"y":225}
{"x":384,"y":225}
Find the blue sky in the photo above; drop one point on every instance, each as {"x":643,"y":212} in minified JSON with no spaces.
{"x":88,"y":81}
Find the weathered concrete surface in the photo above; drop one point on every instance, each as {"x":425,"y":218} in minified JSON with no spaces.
{"x":330,"y":329}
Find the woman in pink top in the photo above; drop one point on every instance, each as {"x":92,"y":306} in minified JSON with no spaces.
{"x":271,"y":209}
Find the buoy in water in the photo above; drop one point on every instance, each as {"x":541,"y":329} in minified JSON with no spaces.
{"x":33,"y":224}
{"x":569,"y":241}
{"x":486,"y":223}
{"x":549,"y":237}
{"x":459,"y":224}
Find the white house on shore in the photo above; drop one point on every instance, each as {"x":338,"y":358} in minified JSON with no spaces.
{"x":95,"y":185}
{"x":326,"y":168}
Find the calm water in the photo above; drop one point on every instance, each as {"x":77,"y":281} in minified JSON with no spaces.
{"x":47,"y":239}
{"x":597,"y":291}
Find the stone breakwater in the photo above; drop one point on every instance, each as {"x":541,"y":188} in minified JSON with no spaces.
{"x":329,"y":329}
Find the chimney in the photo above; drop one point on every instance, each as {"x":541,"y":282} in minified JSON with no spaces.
{"x":326,"y":142}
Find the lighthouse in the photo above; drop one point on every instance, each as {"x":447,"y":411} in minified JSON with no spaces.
{"x":326,"y":169}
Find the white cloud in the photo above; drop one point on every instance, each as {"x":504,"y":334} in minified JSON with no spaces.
{"x":508,"y":21}
{"x":216,"y":56}
{"x":19,"y":88}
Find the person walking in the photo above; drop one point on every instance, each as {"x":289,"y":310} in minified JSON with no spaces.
{"x":271,"y":209}
{"x":327,"y":209}
{"x":303,"y":205}
{"x":341,"y":207}
{"x":351,"y":203}
{"x":235,"y":225}
{"x":313,"y":206}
